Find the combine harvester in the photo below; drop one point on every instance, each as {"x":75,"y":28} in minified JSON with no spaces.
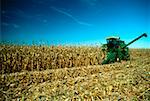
{"x":116,"y":49}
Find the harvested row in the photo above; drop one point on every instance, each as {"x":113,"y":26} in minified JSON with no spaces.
{"x":25,"y":79}
{"x":123,"y":85}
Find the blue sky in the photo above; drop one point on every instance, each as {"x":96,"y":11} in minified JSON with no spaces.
{"x":75,"y":21}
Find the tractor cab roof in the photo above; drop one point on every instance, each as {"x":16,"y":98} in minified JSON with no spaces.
{"x":112,"y":38}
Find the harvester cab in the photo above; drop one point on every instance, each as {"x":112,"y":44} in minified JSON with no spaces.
{"x":112,"y":42}
{"x":116,"y":49}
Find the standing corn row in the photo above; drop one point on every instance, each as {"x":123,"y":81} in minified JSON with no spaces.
{"x":20,"y":58}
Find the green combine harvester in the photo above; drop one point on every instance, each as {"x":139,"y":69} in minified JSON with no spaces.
{"x":116,"y":49}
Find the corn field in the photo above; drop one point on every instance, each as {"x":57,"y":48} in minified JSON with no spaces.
{"x":71,"y":73}
{"x":32,"y":58}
